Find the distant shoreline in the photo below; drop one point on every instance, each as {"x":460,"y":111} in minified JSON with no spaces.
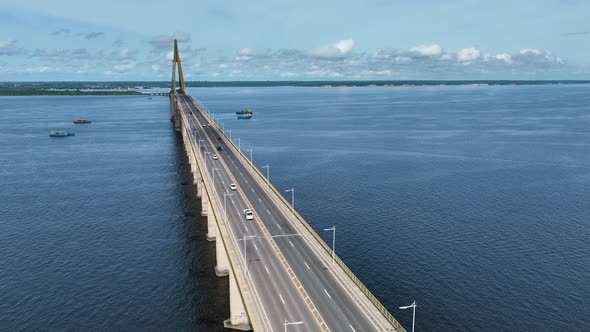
{"x":135,"y":87}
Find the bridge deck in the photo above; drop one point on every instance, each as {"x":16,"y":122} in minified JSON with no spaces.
{"x":291,"y":272}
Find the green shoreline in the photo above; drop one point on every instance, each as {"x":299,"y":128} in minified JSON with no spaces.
{"x":45,"y":92}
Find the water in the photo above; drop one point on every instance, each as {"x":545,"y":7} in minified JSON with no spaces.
{"x":473,"y":201}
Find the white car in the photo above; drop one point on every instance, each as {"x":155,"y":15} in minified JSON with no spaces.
{"x":215,"y":157}
{"x":233,"y":187}
{"x":249,"y":215}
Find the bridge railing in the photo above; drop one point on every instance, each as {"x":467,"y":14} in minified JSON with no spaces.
{"x":380,"y":307}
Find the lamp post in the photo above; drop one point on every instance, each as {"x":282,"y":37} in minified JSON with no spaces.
{"x":246,"y":237}
{"x":251,"y":161}
{"x":267,"y":174}
{"x":229,"y":134}
{"x":286,"y":323}
{"x":333,"y":230}
{"x":292,"y":190}
{"x":225,"y":205}
{"x":239,"y":144}
{"x":413,"y":306}
{"x":223,"y":126}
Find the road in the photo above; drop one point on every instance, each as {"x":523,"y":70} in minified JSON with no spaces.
{"x":275,"y":251}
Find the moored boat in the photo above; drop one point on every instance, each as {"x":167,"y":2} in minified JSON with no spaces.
{"x":82,"y":121}
{"x":60,"y":133}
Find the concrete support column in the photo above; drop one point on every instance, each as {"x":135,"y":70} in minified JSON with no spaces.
{"x":238,"y":319}
{"x":222,"y":267}
{"x":204,"y":200}
{"x":211,"y":227}
{"x":199,"y":182}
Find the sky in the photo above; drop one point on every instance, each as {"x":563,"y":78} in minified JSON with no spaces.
{"x":122,"y":40}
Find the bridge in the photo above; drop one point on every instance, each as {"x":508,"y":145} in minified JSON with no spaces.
{"x":282,"y":275}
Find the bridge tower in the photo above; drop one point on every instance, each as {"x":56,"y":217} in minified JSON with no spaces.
{"x":174,"y":108}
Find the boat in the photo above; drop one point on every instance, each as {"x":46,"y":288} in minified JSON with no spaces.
{"x":245,"y":114}
{"x":82,"y":121}
{"x":60,"y":133}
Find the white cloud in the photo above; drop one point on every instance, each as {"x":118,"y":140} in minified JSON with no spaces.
{"x":530,"y":51}
{"x":386,"y":72}
{"x":505,"y":57}
{"x":7,"y":47}
{"x":402,"y":60}
{"x":427,"y":50}
{"x":333,"y":51}
{"x":156,"y":68}
{"x":167,"y":41}
{"x":124,"y":67}
{"x":245,"y":51}
{"x":468,"y":55}
{"x":43,"y":69}
{"x":324,"y":73}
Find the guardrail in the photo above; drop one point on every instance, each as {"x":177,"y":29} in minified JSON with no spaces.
{"x":326,"y":247}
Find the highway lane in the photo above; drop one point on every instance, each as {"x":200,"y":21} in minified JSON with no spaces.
{"x":337,"y":307}
{"x":271,"y":282}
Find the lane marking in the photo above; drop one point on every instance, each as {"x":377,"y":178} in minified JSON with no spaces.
{"x":291,"y":244}
{"x":247,"y":229}
{"x":260,"y":200}
{"x":325,"y":291}
{"x":279,"y":226}
{"x":252,"y":189}
{"x":282,"y":299}
{"x":266,"y":268}
{"x":267,"y":211}
{"x":304,"y":262}
{"x":352,"y":328}
{"x":255,"y":247}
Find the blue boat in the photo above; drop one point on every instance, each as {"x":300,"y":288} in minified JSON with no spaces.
{"x":245,"y":114}
{"x":60,"y":133}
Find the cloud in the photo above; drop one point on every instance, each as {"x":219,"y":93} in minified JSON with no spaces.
{"x":536,"y":56}
{"x":43,"y":69}
{"x":156,"y":68}
{"x":244,"y":54}
{"x":65,"y":31}
{"x":163,"y":42}
{"x":93,"y":35}
{"x":125,"y":67}
{"x":505,"y":57}
{"x":468,"y":55}
{"x":7,"y":47}
{"x":333,"y":51}
{"x":427,"y":50}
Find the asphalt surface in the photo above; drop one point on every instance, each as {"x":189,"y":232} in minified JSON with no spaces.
{"x":276,"y":290}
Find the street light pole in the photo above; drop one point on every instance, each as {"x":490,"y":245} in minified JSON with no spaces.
{"x":292,"y":190}
{"x":333,"y":230}
{"x":239,"y":144}
{"x":267,"y":174}
{"x":413,"y":306}
{"x":251,"y":161}
{"x":229,"y":134}
{"x":290,"y":323}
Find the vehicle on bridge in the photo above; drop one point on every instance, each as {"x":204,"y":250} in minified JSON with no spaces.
{"x":248,"y":214}
{"x":233,"y":187}
{"x":219,"y":138}
{"x":218,"y":148}
{"x":215,"y":157}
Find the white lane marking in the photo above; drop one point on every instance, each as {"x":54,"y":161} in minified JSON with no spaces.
{"x":266,"y":268}
{"x":292,"y":245}
{"x":247,"y":229}
{"x":304,"y":262}
{"x":260,"y":200}
{"x":352,"y":328}
{"x":223,"y":182}
{"x":255,"y":247}
{"x":267,"y":211}
{"x":252,"y":189}
{"x":281,"y":298}
{"x":325,"y":291}
{"x":279,"y":226}
{"x":241,"y":173}
{"x":246,"y":180}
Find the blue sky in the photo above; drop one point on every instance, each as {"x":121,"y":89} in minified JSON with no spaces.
{"x":295,"y":40}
